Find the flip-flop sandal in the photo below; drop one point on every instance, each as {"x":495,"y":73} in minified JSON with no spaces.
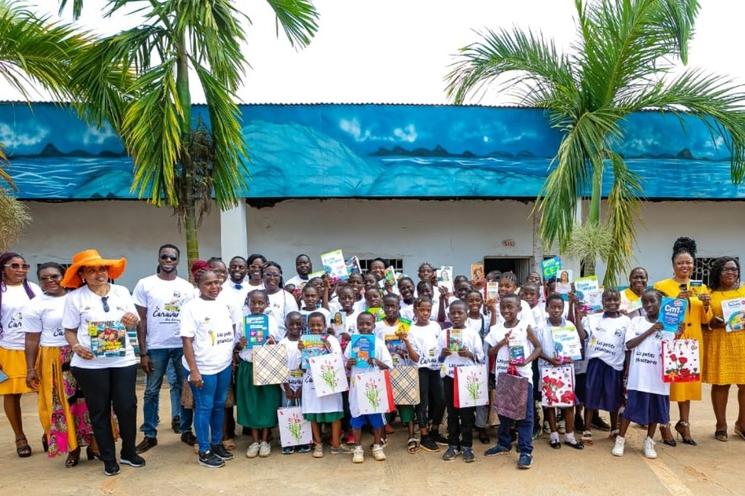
{"x":587,"y":437}
{"x":23,"y":450}
{"x":412,"y":446}
{"x":739,"y":431}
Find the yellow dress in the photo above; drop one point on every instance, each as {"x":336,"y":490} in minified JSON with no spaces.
{"x":724,"y":352}
{"x":695,"y":318}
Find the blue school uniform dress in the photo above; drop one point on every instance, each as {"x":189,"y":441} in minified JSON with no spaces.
{"x":606,"y":353}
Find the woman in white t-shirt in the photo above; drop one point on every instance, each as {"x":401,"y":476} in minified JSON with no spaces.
{"x":208,"y":333}
{"x":100,"y":322}
{"x":15,"y":293}
{"x":281,"y":302}
{"x":63,"y":411}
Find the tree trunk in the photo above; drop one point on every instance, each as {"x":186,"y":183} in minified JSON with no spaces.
{"x":593,"y":215}
{"x":537,"y":244}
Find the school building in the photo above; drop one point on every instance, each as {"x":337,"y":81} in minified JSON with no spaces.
{"x":451,"y":185}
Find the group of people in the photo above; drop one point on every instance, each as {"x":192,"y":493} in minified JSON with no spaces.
{"x":77,"y":339}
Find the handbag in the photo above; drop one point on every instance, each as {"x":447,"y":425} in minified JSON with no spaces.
{"x":270,"y":365}
{"x":405,"y":384}
{"x":557,"y":386}
{"x":294,"y":430}
{"x":328,"y":373}
{"x":511,"y":396}
{"x":470,"y":386}
{"x":372,"y":393}
{"x":680,"y":361}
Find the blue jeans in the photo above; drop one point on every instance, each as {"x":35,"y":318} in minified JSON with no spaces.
{"x":209,"y":408}
{"x":524,"y":429}
{"x":175,"y":390}
{"x":159,"y":360}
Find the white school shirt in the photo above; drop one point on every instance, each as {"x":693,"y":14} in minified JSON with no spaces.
{"x":607,"y":338}
{"x":381,"y":353}
{"x":246,"y":354}
{"x":163,"y":301}
{"x":471,"y":341}
{"x":43,"y":315}
{"x":645,"y":365}
{"x":407,"y":311}
{"x":297,"y":281}
{"x":518,"y":337}
{"x":525,"y":315}
{"x":546,"y":337}
{"x":382,"y":329}
{"x":360,"y":305}
{"x":210,"y":323}
{"x":326,"y":404}
{"x":280,"y":304}
{"x":426,"y":342}
{"x":480,"y":325}
{"x":14,"y":299}
{"x":236,"y":292}
{"x":251,"y":287}
{"x":350,"y":321}
{"x":294,"y":359}
{"x":326,"y":315}
{"x":83,"y":306}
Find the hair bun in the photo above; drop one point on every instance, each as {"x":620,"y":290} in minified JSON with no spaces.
{"x":685,"y":245}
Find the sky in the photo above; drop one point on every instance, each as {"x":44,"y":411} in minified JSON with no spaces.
{"x":398,"y":51}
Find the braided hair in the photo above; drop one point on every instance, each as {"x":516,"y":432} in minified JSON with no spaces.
{"x":684,"y":245}
{"x":4,"y":259}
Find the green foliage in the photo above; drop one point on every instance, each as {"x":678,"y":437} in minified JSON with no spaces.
{"x":14,"y":218}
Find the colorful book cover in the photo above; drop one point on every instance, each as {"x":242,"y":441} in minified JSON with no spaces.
{"x":550,"y":268}
{"x":492,"y":290}
{"x":564,"y":276}
{"x":313,"y":345}
{"x":334,"y":265}
{"x":585,"y":284}
{"x":680,"y":361}
{"x":567,"y":345}
{"x":353,"y":265}
{"x":455,"y":339}
{"x":390,"y":276}
{"x":338,"y":322}
{"x":362,"y":348}
{"x":733,"y":313}
{"x":377,"y":312}
{"x":445,"y":277}
{"x":477,"y":272}
{"x":108,"y":338}
{"x":256,"y":329}
{"x":672,"y":313}
{"x":593,"y":300}
{"x":517,"y":354}
{"x":696,"y":286}
{"x":403,"y":327}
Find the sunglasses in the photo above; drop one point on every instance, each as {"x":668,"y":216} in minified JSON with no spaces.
{"x":105,"y":301}
{"x":168,"y":257}
{"x":17,"y":266}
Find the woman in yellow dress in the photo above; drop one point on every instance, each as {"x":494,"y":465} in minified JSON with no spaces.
{"x":698,"y":313}
{"x":631,"y":297}
{"x":724,"y":352}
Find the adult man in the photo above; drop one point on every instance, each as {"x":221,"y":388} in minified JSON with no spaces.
{"x":159,"y":299}
{"x":235,"y":288}
{"x":303,"y":266}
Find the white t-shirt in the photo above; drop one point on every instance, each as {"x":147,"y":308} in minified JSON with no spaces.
{"x":294,"y":359}
{"x":381,"y":353}
{"x":546,"y":337}
{"x":280,"y":304}
{"x":163,"y":301}
{"x":43,"y":315}
{"x":360,"y":305}
{"x":525,"y":315}
{"x":210,"y":323}
{"x":518,"y":337}
{"x":13,"y":300}
{"x":326,"y":404}
{"x":82,"y":307}
{"x":236,"y":292}
{"x":645,"y":366}
{"x":607,"y":338}
{"x":425,"y":340}
{"x":246,"y":353}
{"x":480,"y":325}
{"x":326,"y":315}
{"x":471,"y":341}
{"x":297,"y":281}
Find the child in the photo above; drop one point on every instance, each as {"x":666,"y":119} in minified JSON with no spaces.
{"x":406,"y":291}
{"x":460,"y":420}
{"x":326,"y":409}
{"x":508,"y":286}
{"x":426,"y":289}
{"x":427,"y":273}
{"x":422,"y":345}
{"x":357,"y":283}
{"x":369,"y":281}
{"x":648,"y":397}
{"x":346,"y":307}
{"x":292,"y":390}
{"x":555,"y":308}
{"x":603,"y":387}
{"x":529,"y":294}
{"x":257,"y":405}
{"x":377,"y":269}
{"x":508,"y":339}
{"x":381,"y":361}
{"x":310,"y":303}
{"x":374,"y":303}
{"x":481,"y":321}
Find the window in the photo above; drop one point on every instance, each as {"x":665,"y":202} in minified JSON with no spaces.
{"x":702,"y":269}
{"x":397,"y":263}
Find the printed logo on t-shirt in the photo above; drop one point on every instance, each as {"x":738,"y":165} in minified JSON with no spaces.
{"x":169,"y":314}
{"x":16,"y":321}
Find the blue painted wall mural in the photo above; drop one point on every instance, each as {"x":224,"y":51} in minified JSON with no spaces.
{"x":368,"y":151}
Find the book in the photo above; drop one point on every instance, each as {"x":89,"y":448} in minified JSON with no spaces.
{"x":255,"y":329}
{"x":108,"y":338}
{"x":377,"y":312}
{"x":585,"y":284}
{"x":403,"y":327}
{"x":362,"y":349}
{"x":338,"y":322}
{"x":455,"y":339}
{"x":696,"y":286}
{"x":353,"y":265}
{"x":390,"y":276}
{"x":517,"y":354}
{"x":492,"y":291}
{"x":445,"y":277}
{"x":672,"y":313}
{"x":396,"y":348}
{"x":550,"y":268}
{"x":733,"y":313}
{"x":334,"y":265}
{"x":477,"y":272}
{"x":564,"y":276}
{"x":313,"y":346}
{"x":567,"y":345}
{"x":593,"y":300}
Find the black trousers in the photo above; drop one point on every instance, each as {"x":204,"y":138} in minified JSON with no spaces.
{"x":104,"y":388}
{"x":431,"y":405}
{"x":460,"y":420}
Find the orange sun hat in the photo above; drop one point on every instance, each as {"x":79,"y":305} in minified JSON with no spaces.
{"x":91,"y":258}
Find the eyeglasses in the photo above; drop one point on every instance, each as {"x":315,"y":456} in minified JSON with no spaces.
{"x":55,"y":277}
{"x":168,"y":257}
{"x":95,"y":270}
{"x":730,"y":269}
{"x":17,"y":266}
{"x":272,"y":274}
{"x":105,"y":301}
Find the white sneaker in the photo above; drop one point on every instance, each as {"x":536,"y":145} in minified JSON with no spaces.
{"x":253,"y":450}
{"x":358,"y":455}
{"x":618,"y":446}
{"x":318,"y":451}
{"x":264,"y":449}
{"x":649,"y":451}
{"x":378,"y":453}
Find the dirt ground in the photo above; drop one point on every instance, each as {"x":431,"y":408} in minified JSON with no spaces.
{"x":712,"y":468}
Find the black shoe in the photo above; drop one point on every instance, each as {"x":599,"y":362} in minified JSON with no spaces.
{"x":600,"y":424}
{"x":451,"y":454}
{"x":176,"y":424}
{"x":468,"y":455}
{"x":210,"y":460}
{"x":484,"y":436}
{"x":220,"y":451}
{"x":110,"y":467}
{"x":146,"y":444}
{"x":135,"y":461}
{"x":188,"y":438}
{"x":427,"y":444}
{"x":438,"y":438}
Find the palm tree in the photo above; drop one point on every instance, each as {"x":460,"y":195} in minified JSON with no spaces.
{"x":622,"y":62}
{"x":179,"y":162}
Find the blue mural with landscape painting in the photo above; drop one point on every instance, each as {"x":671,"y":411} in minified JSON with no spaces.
{"x":369,"y":151}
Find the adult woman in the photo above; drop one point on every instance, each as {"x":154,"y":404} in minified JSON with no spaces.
{"x":15,"y":292}
{"x":100,"y":321}
{"x":697,"y":314}
{"x":63,"y":411}
{"x":280,"y":301}
{"x":631,"y":297}
{"x":208,"y":335}
{"x":255,"y":263}
{"x":724,"y":352}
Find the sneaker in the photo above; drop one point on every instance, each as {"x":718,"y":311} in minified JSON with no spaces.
{"x":618,"y":446}
{"x":438,"y":438}
{"x":303,"y":448}
{"x":649,"y":450}
{"x":135,"y":461}
{"x":525,"y":461}
{"x":253,"y":450}
{"x":358,"y":455}
{"x":341,"y":450}
{"x":600,"y":424}
{"x":264,"y":449}
{"x":318,"y":451}
{"x":146,"y":444}
{"x":468,"y":455}
{"x":378,"y":453}
{"x":451,"y":454}
{"x":110,"y":468}
{"x":220,"y":452}
{"x":427,"y":444}
{"x":210,"y":460}
{"x":188,"y":438}
{"x":497,"y":450}
{"x":288,"y":450}
{"x":176,"y":424}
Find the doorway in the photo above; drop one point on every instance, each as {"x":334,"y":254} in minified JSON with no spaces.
{"x":519,"y":265}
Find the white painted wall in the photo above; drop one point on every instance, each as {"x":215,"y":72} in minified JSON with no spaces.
{"x":130,"y":229}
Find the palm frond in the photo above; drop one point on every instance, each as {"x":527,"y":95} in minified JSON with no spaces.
{"x":14,"y":217}
{"x":297,"y":18}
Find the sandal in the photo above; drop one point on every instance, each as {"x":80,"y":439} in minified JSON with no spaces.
{"x":670,"y":440}
{"x":683,"y":427}
{"x":576,"y":445}
{"x":412,"y":445}
{"x":587,"y":437}
{"x":721,"y":436}
{"x":739,"y":431}
{"x":92,"y":454}
{"x":23,"y":449}
{"x":73,"y":458}
{"x":44,"y":443}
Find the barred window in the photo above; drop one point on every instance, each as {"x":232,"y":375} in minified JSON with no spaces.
{"x":397,"y":263}
{"x":702,"y":269}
